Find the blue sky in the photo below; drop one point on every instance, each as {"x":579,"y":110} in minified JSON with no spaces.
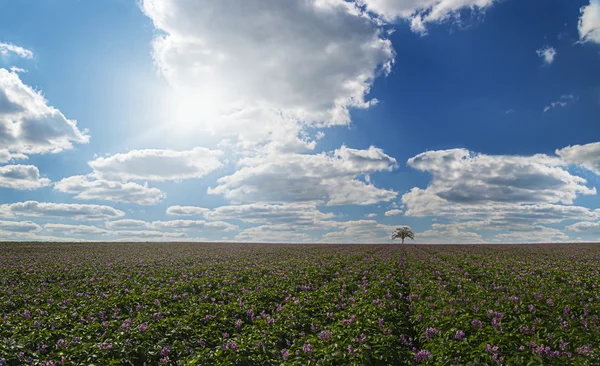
{"x":300,"y":121}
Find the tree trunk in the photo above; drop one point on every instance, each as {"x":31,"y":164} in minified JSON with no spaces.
{"x":402,"y":240}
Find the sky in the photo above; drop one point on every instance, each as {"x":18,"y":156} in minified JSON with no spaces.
{"x":333,"y":121}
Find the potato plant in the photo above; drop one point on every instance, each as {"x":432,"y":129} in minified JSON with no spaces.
{"x":250,"y":304}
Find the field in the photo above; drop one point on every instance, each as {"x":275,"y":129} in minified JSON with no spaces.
{"x":246,"y":304}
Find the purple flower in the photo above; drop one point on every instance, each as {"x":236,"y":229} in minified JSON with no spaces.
{"x":429,"y":332}
{"x":62,"y":343}
{"x":422,"y":355}
{"x":325,"y":335}
{"x":307,"y":348}
{"x":476,"y":324}
{"x":164,"y":351}
{"x":143,"y":328}
{"x":285,"y":353}
{"x":459,"y":335}
{"x":27,"y":314}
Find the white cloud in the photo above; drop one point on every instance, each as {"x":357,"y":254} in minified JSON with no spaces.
{"x":512,"y":230}
{"x":304,"y":214}
{"x":28,"y":125}
{"x":359,"y":231}
{"x":191,"y":225}
{"x":301,"y":178}
{"x":463,"y":177}
{"x":127,"y":224}
{"x":60,"y":210}
{"x":393,"y":212}
{"x":19,"y":226}
{"x":157,"y":165}
{"x":21,"y":177}
{"x":7,"y":48}
{"x":371,"y":215}
{"x":520,"y":189}
{"x":448,"y":235}
{"x":538,"y":234}
{"x":6,"y":156}
{"x":587,"y":156}
{"x":298,"y":214}
{"x":195,"y":225}
{"x":320,"y":59}
{"x":547,"y":54}
{"x":589,"y":22}
{"x":585,"y":227}
{"x":137,"y":235}
{"x":75,"y":230}
{"x":88,"y":188}
{"x":32,"y":236}
{"x":562,"y":102}
{"x":186,"y":210}
{"x":421,"y":12}
{"x":273,"y":234}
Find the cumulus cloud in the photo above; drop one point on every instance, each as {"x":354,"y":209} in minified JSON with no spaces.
{"x":195,"y":225}
{"x":137,"y":235}
{"x":547,"y":54}
{"x":21,"y":177}
{"x":6,"y":156}
{"x":28,"y":125}
{"x":562,"y":102}
{"x":320,"y":59}
{"x":511,"y":230}
{"x":463,"y":177}
{"x":127,"y":224}
{"x":585,"y":227}
{"x":520,"y":189}
{"x":393,"y":212}
{"x":587,"y":156}
{"x":8,"y":48}
{"x":75,"y":230}
{"x":88,"y":188}
{"x":327,"y":231}
{"x":191,"y":225}
{"x":186,"y":210}
{"x":273,"y":234}
{"x":19,"y":226}
{"x":358,"y":231}
{"x":60,"y":210}
{"x":298,"y":214}
{"x":589,"y":22}
{"x":448,"y":235}
{"x":538,"y":234}
{"x":421,"y":12}
{"x":6,"y":235}
{"x":301,"y":178}
{"x":157,"y":165}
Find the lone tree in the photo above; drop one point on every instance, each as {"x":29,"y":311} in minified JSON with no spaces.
{"x":403,"y":233}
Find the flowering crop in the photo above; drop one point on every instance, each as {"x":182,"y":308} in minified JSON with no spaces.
{"x":247,"y":304}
